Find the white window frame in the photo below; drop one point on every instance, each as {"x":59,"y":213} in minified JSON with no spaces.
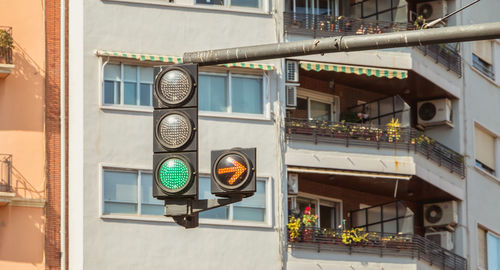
{"x":268,"y":223}
{"x":317,"y":201}
{"x":265,"y":115}
{"x":486,"y":232}
{"x":309,"y":95}
{"x":139,"y":172}
{"x":268,"y":218}
{"x":227,"y":4}
{"x":121,"y":105}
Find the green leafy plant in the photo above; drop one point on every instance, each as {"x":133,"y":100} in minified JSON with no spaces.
{"x":6,"y":42}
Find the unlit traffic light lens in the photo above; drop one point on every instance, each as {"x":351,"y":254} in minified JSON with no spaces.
{"x":175,"y":87}
{"x":174,"y":130}
{"x":174,"y":174}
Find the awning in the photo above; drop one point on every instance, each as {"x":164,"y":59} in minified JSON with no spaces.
{"x":176,"y":60}
{"x":348,"y":173}
{"x":358,"y":70}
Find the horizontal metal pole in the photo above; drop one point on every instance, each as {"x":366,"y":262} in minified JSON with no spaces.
{"x":346,"y":44}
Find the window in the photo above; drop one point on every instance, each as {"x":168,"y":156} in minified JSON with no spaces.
{"x":328,"y":211}
{"x":482,"y":57}
{"x":392,"y":217}
{"x":380,"y":10}
{"x":250,"y":209}
{"x":231,"y":93}
{"x":484,"y":149}
{"x":488,"y":250}
{"x":313,"y":105}
{"x":238,"y":3}
{"x":129,"y":192}
{"x":127,"y":85}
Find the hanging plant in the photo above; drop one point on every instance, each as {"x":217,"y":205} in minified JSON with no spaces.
{"x":6,"y":43}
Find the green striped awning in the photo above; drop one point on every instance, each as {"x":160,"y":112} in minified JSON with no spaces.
{"x":358,"y":70}
{"x":176,"y":60}
{"x":141,"y":57}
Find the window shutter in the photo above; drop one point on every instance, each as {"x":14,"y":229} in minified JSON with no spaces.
{"x":482,"y":49}
{"x":484,"y":147}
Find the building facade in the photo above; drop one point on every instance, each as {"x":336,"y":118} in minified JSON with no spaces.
{"x":30,"y":136}
{"x":393,"y":143}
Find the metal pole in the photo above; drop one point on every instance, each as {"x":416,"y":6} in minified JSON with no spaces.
{"x":346,"y":44}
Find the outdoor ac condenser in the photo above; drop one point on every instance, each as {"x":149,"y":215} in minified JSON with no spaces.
{"x":444,"y":239}
{"x":435,"y":112}
{"x":440,"y":214}
{"x":432,"y":10}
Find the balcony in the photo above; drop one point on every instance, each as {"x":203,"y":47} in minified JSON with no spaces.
{"x":374,"y":136}
{"x":327,"y":25}
{"x":6,"y":193}
{"x":359,"y":243}
{"x":6,"y":45}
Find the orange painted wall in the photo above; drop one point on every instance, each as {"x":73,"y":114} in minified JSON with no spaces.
{"x":22,"y":135}
{"x":21,"y":234}
{"x":22,"y":97}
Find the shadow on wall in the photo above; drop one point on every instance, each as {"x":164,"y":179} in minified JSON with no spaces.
{"x":22,"y":94}
{"x":21,"y":231}
{"x":23,"y":188}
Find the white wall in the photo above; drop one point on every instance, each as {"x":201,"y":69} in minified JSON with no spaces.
{"x":124,"y":139}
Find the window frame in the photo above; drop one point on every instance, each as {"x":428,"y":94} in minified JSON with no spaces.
{"x":227,"y":4}
{"x":268,"y":217}
{"x":494,"y":173}
{"x":265,"y":115}
{"x":121,"y":82}
{"x":139,"y":172}
{"x":486,"y":231}
{"x":332,"y":100}
{"x":317,"y":201}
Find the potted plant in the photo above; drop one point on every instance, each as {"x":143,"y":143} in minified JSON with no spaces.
{"x":6,"y":43}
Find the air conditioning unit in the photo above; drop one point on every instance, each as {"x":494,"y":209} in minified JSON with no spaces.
{"x":432,"y":10}
{"x":443,"y":239}
{"x":440,"y":214}
{"x":293,"y":184}
{"x":291,"y":96}
{"x":435,"y":112}
{"x":292,"y":71}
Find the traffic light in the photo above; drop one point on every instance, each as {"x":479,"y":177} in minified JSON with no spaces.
{"x":175,"y":139}
{"x":233,"y":172}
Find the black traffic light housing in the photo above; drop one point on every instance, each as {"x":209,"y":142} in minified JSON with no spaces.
{"x":228,"y":178}
{"x":175,"y":139}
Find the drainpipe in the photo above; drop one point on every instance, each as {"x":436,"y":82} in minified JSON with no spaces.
{"x":62,"y":118}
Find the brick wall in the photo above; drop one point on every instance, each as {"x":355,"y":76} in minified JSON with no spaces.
{"x":53,"y":139}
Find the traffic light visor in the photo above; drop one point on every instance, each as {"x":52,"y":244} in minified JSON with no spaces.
{"x":174,"y":174}
{"x":175,"y":86}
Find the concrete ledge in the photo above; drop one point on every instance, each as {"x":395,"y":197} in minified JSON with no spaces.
{"x":5,"y":70}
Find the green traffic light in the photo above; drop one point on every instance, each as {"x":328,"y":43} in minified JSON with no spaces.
{"x":174,"y":174}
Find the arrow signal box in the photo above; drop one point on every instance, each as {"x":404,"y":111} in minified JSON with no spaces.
{"x":233,"y":172}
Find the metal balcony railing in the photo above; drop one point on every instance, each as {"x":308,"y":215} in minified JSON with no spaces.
{"x":445,"y":55}
{"x":404,"y":245}
{"x":5,"y":53}
{"x":375,"y":136}
{"x":5,"y":172}
{"x":327,"y":25}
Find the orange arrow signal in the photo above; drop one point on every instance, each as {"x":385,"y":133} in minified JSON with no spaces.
{"x":238,"y":170}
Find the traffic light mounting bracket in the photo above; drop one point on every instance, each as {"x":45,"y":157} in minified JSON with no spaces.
{"x":185,"y":212}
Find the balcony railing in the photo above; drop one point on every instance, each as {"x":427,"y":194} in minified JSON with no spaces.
{"x":5,"y":172}
{"x":445,"y":55}
{"x":375,"y":136}
{"x":5,"y":38}
{"x":327,"y":25}
{"x":412,"y":246}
